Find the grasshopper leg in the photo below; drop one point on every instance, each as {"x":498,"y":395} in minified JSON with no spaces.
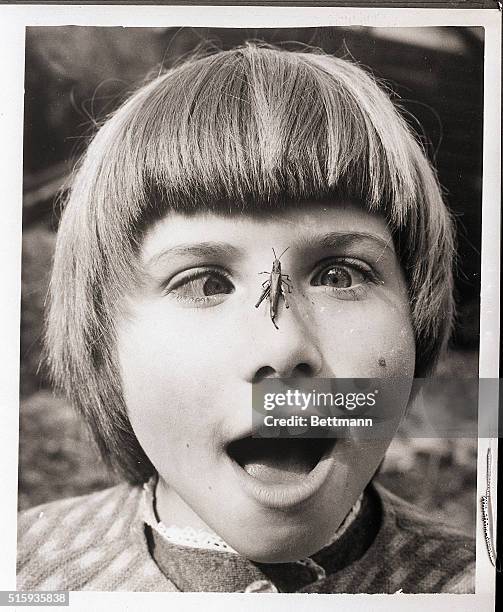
{"x":287,"y":284}
{"x":265,"y":293}
{"x":287,"y":305}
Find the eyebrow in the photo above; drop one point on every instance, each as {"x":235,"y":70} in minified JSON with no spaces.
{"x":343,"y":239}
{"x":199,"y":249}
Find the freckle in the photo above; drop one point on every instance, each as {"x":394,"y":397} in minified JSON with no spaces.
{"x":187,"y":445}
{"x":209,"y":487}
{"x":382,"y":362}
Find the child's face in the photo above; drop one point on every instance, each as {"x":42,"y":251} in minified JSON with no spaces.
{"x":192,"y":343}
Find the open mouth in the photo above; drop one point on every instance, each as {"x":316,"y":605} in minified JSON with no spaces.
{"x":279,"y":460}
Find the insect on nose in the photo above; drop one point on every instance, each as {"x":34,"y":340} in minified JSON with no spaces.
{"x":275,"y":288}
{"x":294,"y":351}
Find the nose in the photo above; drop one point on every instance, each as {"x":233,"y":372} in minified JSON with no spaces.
{"x":288,"y":352}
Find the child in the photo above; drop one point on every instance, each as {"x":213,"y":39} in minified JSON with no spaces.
{"x":153,"y":334}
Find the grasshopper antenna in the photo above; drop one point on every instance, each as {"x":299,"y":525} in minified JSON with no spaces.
{"x":281,"y":253}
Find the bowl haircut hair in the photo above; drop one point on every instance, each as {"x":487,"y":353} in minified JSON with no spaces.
{"x":250,"y":130}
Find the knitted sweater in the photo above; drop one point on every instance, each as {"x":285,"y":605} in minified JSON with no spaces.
{"x":100,"y":542}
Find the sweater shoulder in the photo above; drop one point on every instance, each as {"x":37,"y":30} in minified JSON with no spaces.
{"x":425,"y":553}
{"x":73,"y":512}
{"x":91,"y":541}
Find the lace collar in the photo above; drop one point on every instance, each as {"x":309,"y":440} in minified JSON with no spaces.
{"x":200,"y":538}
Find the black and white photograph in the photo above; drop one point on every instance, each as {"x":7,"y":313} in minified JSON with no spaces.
{"x":210,"y":210}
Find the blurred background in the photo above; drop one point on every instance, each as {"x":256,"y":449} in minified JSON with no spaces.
{"x":76,"y":76}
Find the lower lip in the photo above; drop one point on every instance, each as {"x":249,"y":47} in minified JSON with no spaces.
{"x":283,"y":496}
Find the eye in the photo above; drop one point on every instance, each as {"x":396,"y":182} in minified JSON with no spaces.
{"x":346,"y":278}
{"x":199,"y":287}
{"x":337,"y":276}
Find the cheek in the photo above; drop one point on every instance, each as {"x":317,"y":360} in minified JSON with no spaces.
{"x":368,"y":341}
{"x":162,"y":393}
{"x":391,"y":350}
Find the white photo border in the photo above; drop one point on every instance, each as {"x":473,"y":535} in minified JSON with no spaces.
{"x":13,"y":20}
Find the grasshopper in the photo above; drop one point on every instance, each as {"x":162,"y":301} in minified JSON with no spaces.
{"x":274,"y":286}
